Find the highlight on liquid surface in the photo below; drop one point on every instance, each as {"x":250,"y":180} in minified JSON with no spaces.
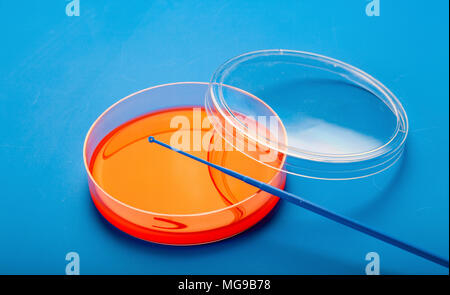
{"x":152,"y":178}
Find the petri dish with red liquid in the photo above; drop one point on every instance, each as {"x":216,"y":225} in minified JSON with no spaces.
{"x":160,"y":196}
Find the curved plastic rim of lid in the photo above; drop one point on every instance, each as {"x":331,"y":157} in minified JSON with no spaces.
{"x":391,"y":147}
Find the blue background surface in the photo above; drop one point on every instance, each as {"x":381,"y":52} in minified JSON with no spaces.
{"x":58,"y":73}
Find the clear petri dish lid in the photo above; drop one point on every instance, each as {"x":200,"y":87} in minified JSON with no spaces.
{"x":329,"y":119}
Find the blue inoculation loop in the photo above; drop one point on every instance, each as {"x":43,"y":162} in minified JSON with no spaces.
{"x":315,"y":208}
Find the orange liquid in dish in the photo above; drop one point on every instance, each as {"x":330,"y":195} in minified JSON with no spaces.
{"x":152,"y":178}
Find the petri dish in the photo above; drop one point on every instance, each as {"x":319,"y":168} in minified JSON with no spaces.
{"x":160,"y":196}
{"x":345,"y":131}
{"x":303,"y":122}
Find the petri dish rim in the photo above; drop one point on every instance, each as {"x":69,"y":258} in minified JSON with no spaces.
{"x":91,"y":178}
{"x":395,"y":142}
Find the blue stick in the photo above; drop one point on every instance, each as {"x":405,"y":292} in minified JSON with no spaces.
{"x":314,"y":208}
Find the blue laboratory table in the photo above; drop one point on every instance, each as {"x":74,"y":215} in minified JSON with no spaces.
{"x":58,"y":73}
